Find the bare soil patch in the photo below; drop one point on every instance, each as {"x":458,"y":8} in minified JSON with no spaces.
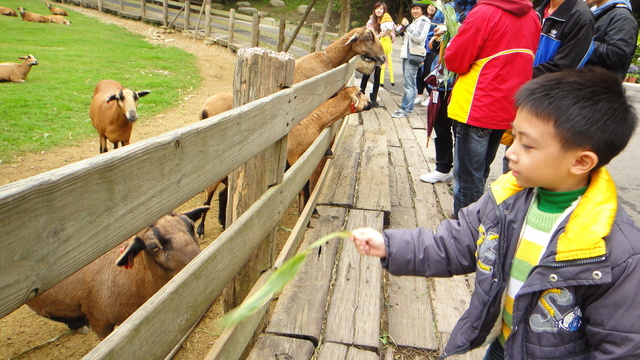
{"x":23,"y":329}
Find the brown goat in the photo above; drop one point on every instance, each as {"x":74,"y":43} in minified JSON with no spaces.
{"x":32,"y":17}
{"x":8,"y":11}
{"x":57,"y":11}
{"x":17,"y":72}
{"x":107,"y":291}
{"x":216,"y":104}
{"x":113,"y":111}
{"x":359,"y":41}
{"x":348,"y":100}
{"x":58,"y":19}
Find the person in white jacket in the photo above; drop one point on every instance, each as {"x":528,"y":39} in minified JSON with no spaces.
{"x":415,"y":35}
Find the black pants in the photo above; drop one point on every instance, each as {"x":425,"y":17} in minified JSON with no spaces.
{"x":494,"y":352}
{"x":423,"y":71}
{"x":376,"y":83}
{"x":444,"y":136}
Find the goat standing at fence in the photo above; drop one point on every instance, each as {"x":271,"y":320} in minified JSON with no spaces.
{"x":107,"y":291}
{"x":17,"y":72}
{"x":113,"y":111}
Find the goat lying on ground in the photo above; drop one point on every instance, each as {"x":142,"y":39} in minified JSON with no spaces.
{"x":32,"y":17}
{"x":17,"y":72}
{"x":8,"y":11}
{"x":107,"y":291}
{"x":348,"y":100}
{"x":113,"y":111}
{"x":57,"y":11}
{"x":58,"y":19}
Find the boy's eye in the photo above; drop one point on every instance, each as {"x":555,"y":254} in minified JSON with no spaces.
{"x":526,"y":147}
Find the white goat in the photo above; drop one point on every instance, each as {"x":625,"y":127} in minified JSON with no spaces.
{"x":108,"y":290}
{"x":17,"y":72}
{"x":113,"y":111}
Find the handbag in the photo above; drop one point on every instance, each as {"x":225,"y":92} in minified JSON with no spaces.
{"x":416,"y":54}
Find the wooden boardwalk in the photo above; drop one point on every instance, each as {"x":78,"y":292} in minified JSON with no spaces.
{"x":343,"y":305}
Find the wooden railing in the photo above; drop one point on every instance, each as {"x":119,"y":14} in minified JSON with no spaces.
{"x":228,"y":28}
{"x":57,"y":222}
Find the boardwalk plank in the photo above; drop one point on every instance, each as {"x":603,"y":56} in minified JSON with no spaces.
{"x":276,"y":347}
{"x":300,"y":309}
{"x":373,"y":181}
{"x":343,"y":169}
{"x":354,"y":312}
{"x":333,"y":351}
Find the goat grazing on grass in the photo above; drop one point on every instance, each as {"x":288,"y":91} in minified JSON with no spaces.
{"x":8,"y":11}
{"x":107,"y":291}
{"x":113,"y":111}
{"x":58,"y":19}
{"x":57,"y":11}
{"x":32,"y":17}
{"x":346,"y":101}
{"x":17,"y":72}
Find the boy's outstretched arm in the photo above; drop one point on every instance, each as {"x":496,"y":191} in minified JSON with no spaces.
{"x":369,"y":242}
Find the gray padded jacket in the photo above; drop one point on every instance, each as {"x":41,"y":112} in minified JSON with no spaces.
{"x":580,"y":302}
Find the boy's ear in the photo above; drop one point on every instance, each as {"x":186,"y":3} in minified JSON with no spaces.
{"x":584,"y":163}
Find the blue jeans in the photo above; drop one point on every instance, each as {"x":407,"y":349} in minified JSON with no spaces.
{"x":475,"y":149}
{"x":409,"y":73}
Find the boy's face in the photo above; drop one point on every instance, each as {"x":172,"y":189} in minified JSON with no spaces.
{"x":537,"y":158}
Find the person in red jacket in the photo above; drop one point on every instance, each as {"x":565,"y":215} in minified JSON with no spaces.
{"x":493,"y":54}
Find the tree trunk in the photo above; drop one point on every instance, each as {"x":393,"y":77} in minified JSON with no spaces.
{"x":345,"y":17}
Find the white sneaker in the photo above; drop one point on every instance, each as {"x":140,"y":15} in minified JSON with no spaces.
{"x":399,"y":114}
{"x":425,"y":103}
{"x":436,"y":176}
{"x":418,"y":100}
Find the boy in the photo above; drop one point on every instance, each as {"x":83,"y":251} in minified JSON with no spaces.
{"x":557,"y":260}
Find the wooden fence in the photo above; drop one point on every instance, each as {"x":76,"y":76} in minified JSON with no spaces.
{"x":56,"y":222}
{"x":227,"y":28}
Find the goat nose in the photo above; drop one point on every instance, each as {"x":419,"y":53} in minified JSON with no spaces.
{"x":132,"y":116}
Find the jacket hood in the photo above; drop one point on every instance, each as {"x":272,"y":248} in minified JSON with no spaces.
{"x":518,"y":8}
{"x":589,"y":223}
{"x":611,"y":4}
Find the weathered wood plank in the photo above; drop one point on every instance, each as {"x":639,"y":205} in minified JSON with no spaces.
{"x":194,"y":285}
{"x":373,"y":178}
{"x":86,"y":208}
{"x":300,"y":308}
{"x":418,"y":119}
{"x":427,"y":212}
{"x":280,"y":347}
{"x":333,"y":351}
{"x":404,"y":130}
{"x":384,"y":114}
{"x":354,"y":311}
{"x":341,"y":174}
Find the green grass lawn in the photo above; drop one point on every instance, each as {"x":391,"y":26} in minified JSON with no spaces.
{"x":52,"y":108}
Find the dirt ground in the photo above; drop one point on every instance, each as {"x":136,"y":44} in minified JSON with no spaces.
{"x":23,"y":330}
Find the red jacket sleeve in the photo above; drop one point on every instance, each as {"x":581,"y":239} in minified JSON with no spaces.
{"x":466,"y":46}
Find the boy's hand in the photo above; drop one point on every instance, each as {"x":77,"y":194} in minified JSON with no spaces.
{"x":369,"y":242}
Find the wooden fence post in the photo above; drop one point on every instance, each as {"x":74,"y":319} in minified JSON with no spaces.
{"x":255,"y":30}
{"x":281,"y":35}
{"x":187,"y":14}
{"x":232,"y":19}
{"x":165,"y":13}
{"x":314,"y":38}
{"x":143,"y":9}
{"x":100,"y":5}
{"x":259,"y":72}
{"x":207,"y":19}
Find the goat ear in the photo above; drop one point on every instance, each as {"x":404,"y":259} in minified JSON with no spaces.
{"x":129,"y":252}
{"x":353,"y":38}
{"x":195,"y":214}
{"x":112,"y":97}
{"x":143,"y":93}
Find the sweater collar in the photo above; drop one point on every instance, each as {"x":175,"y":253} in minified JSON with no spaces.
{"x":590,"y":222}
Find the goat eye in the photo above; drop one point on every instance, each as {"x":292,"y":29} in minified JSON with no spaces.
{"x":154,"y":247}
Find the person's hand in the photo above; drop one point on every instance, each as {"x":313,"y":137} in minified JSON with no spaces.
{"x":369,"y":242}
{"x":404,"y":22}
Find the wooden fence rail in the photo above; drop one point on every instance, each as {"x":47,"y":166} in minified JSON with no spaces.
{"x":228,"y":28}
{"x":57,"y":222}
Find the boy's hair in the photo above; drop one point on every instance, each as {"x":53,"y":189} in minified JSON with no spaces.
{"x":587,"y":108}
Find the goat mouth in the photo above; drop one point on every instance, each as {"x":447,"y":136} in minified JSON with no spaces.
{"x":379,"y":60}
